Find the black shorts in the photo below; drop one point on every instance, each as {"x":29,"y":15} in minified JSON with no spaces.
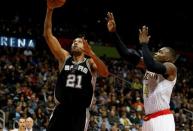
{"x":66,"y":119}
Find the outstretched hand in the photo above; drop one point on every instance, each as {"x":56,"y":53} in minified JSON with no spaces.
{"x":86,"y":48}
{"x":51,"y":4}
{"x":111,"y":25}
{"x":144,"y":36}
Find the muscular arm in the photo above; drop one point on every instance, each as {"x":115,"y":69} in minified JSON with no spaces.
{"x":59,"y":53}
{"x":150,"y":63}
{"x":167,"y":69}
{"x":98,"y":66}
{"x":129,"y":55}
{"x":96,"y":63}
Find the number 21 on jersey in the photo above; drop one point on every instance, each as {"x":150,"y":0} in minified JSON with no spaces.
{"x":74,"y":81}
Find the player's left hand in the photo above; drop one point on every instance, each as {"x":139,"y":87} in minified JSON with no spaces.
{"x":111,"y":25}
{"x":144,"y":36}
{"x":86,"y":48}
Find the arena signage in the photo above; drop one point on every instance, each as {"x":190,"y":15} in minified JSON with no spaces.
{"x":17,"y":42}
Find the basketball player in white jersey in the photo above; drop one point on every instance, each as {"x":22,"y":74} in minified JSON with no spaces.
{"x":159,"y":79}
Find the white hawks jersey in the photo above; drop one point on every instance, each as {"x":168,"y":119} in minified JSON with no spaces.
{"x":156,"y":92}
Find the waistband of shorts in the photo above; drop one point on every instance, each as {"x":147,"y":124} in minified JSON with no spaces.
{"x":156,"y":114}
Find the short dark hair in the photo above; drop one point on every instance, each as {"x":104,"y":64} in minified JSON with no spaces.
{"x":82,"y":35}
{"x":172,"y":53}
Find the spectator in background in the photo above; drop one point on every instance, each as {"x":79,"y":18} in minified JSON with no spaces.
{"x":28,"y":52}
{"x":124,"y":120}
{"x":30,"y":125}
{"x":21,"y":125}
{"x":3,"y":128}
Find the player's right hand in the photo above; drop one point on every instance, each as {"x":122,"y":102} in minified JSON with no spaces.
{"x":111,"y":25}
{"x":51,"y":4}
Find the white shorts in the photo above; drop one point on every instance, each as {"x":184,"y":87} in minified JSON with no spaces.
{"x":160,"y":123}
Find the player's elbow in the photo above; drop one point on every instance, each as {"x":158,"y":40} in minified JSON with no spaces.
{"x":47,"y":34}
{"x":105,"y":73}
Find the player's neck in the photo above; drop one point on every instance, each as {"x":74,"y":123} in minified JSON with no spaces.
{"x":78,"y":59}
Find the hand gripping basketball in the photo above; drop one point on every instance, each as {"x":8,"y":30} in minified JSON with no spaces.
{"x":51,"y":4}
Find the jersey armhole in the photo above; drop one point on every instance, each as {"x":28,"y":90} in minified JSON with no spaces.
{"x":88,"y":65}
{"x":62,"y":66}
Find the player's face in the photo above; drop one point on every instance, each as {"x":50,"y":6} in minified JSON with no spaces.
{"x":162,"y":55}
{"x":77,"y":45}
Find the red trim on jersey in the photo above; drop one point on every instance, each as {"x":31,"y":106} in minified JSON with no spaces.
{"x":156,"y":114}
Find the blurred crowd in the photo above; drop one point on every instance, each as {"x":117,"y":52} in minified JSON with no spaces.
{"x":28,"y":77}
{"x":27,"y":82}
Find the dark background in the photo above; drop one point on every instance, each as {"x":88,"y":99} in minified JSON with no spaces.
{"x":169,"y":23}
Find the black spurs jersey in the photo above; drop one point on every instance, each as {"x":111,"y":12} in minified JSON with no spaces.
{"x":75,"y":84}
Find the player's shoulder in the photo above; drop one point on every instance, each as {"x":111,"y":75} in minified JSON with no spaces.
{"x":171,"y":70}
{"x":92,"y":65}
{"x":170,"y":65}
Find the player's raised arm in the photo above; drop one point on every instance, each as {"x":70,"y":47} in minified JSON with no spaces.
{"x":97,"y":64}
{"x":162,"y":61}
{"x":54,"y":45}
{"x":149,"y":61}
{"x":128,"y":54}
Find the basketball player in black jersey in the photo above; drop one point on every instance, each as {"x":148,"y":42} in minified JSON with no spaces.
{"x":76,"y":80}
